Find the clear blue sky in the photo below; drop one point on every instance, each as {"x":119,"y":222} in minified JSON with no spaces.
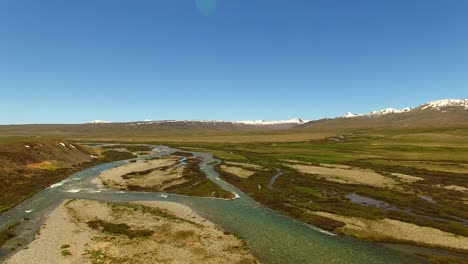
{"x":76,"y":61}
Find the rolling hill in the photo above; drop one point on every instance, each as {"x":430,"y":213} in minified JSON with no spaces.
{"x":441,"y":113}
{"x":436,"y":114}
{"x":99,"y":127}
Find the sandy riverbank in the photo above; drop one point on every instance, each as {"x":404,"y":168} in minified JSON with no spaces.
{"x":84,"y":231}
{"x":238,"y":171}
{"x":346,"y":175}
{"x":178,"y":173}
{"x":148,"y":173}
{"x":398,"y":231}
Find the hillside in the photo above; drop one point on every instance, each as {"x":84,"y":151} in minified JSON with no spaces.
{"x":442,"y":113}
{"x":30,"y":166}
{"x":146,"y":127}
{"x":437,"y":114}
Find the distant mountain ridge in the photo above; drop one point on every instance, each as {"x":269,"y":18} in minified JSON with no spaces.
{"x":148,"y":127}
{"x":446,"y":112}
{"x":296,"y":121}
{"x":429,"y":105}
{"x":446,"y":103}
{"x":99,"y":122}
{"x":440,"y":113}
{"x":381,"y":112}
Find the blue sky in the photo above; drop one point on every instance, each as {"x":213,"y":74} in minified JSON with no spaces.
{"x":120,"y":60}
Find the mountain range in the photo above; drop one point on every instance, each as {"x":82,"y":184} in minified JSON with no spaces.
{"x":446,"y":112}
{"x":293,"y":121}
{"x":434,"y":105}
{"x":441,"y":113}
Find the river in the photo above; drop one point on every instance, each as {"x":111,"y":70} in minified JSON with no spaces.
{"x":272,"y":237}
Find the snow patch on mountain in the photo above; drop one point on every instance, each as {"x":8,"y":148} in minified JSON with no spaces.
{"x":377,"y":113}
{"x":349,"y":114}
{"x":249,"y":122}
{"x":436,"y":105}
{"x":99,"y":122}
{"x":387,"y":111}
{"x":145,"y":122}
{"x":445,"y":103}
{"x":296,"y":121}
{"x":263,"y":122}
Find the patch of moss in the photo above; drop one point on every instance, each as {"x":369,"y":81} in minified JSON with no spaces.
{"x":66,"y":253}
{"x":118,"y":229}
{"x":112,"y":155}
{"x":96,"y":256}
{"x":149,"y":210}
{"x":69,"y":201}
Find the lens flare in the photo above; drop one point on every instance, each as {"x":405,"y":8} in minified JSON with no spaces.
{"x":206,"y":7}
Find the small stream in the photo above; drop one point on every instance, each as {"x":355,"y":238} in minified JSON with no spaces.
{"x":272,"y":237}
{"x":273,"y":179}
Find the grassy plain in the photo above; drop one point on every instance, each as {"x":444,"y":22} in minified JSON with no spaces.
{"x":438,"y":156}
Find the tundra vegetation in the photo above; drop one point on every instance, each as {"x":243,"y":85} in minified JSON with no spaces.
{"x":411,"y":176}
{"x":340,"y":180}
{"x":28,"y":165}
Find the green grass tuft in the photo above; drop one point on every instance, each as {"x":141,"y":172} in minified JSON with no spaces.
{"x":118,"y":229}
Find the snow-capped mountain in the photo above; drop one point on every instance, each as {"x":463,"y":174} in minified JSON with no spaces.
{"x":99,"y":122}
{"x":349,"y":114}
{"x":263,"y":122}
{"x":381,"y":112}
{"x":213,"y":123}
{"x":430,"y":109}
{"x":434,"y":105}
{"x":387,"y":111}
{"x":293,"y":121}
{"x":447,"y":113}
{"x":445,"y":103}
{"x":440,"y":113}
